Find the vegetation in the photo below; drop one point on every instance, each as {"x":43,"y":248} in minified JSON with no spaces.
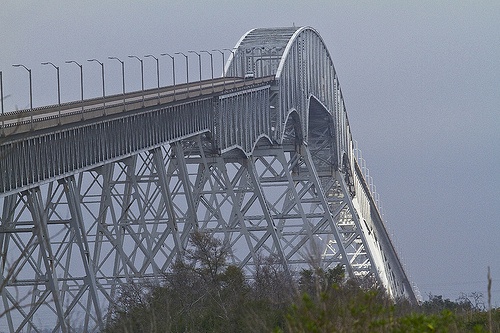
{"x":202,"y":293}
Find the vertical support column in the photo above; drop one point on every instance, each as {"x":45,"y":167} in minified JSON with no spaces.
{"x":131,"y":184}
{"x":104,"y":235}
{"x":167,"y":198}
{"x":35,"y":206}
{"x":265,"y":208}
{"x":237,"y":213}
{"x":359,"y":227}
{"x":321,"y":194}
{"x":78,"y":227}
{"x":184,"y":175}
{"x":7,"y":225}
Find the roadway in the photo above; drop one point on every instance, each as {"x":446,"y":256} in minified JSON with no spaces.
{"x":71,"y":113}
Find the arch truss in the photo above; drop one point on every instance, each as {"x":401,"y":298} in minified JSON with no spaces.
{"x":270,"y":169}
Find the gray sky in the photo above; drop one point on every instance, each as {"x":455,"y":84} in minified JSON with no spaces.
{"x":421,"y":84}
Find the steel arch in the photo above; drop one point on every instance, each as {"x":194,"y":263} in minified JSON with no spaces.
{"x":268,"y":165}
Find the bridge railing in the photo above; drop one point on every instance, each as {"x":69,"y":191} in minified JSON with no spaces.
{"x":27,"y":120}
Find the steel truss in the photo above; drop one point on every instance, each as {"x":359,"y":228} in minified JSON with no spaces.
{"x":83,"y":236}
{"x":268,"y":168}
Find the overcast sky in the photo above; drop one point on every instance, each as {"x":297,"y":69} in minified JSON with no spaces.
{"x":421,"y":84}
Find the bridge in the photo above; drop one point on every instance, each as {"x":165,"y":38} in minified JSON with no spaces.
{"x":101,"y":192}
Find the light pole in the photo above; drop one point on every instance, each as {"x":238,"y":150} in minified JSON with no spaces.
{"x":157,"y":72}
{"x":81,"y":79}
{"x":31,"y":86}
{"x":271,"y":59}
{"x":233,"y":64}
{"x":31,"y":92}
{"x":223,"y":62}
{"x":199,"y":64}
{"x":211,"y":67}
{"x":142,"y":75}
{"x":173,"y":69}
{"x":58,"y":87}
{"x":102,"y":75}
{"x":1,"y":98}
{"x":187,"y":71}
{"x":123,"y":78}
{"x":261,"y":65}
{"x":58,"y":81}
{"x":254,"y":62}
{"x":1,"y":93}
{"x":123,"y":72}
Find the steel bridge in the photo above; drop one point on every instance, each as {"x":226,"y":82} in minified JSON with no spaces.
{"x":101,"y":192}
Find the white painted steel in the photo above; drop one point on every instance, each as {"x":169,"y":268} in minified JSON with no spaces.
{"x":264,"y":162}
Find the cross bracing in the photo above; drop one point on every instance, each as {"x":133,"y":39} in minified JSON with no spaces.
{"x":108,"y":191}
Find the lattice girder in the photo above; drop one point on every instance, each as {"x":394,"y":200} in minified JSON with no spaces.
{"x":269,"y":168}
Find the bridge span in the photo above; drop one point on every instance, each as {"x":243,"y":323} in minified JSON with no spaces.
{"x":101,"y":192}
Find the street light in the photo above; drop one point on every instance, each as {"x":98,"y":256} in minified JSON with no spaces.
{"x":187,"y":71}
{"x":123,"y":72}
{"x":123,"y":78}
{"x":211,"y":67}
{"x":31,"y":92}
{"x":157,"y":72}
{"x":1,"y":99}
{"x":223,"y":62}
{"x":58,"y":87}
{"x":102,"y":74}
{"x":81,"y":79}
{"x":58,"y":82}
{"x":142,"y":75}
{"x":173,"y":69}
{"x":1,"y":93}
{"x":233,"y":64}
{"x":199,"y":64}
{"x":31,"y":86}
{"x":274,"y":48}
{"x":261,"y":65}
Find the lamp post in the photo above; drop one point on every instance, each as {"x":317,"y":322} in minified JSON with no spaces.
{"x":1,"y":98}
{"x":102,"y":75}
{"x":157,"y":72}
{"x":233,"y":64}
{"x":31,"y":92}
{"x":211,"y":67}
{"x":254,"y":62}
{"x":187,"y":70}
{"x":142,"y":75}
{"x":81,"y":79}
{"x":261,"y":65}
{"x":58,"y":87}
{"x":123,"y":78}
{"x":1,"y":94}
{"x":31,"y":86}
{"x":123,"y":72}
{"x":223,"y":63}
{"x":199,"y":64}
{"x":173,"y":69}
{"x":58,"y":81}
{"x":271,"y":59}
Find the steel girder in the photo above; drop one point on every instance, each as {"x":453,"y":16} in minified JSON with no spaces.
{"x":269,"y":169}
{"x":126,"y":221}
{"x":306,"y":81}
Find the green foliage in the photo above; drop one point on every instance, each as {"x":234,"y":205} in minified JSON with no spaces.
{"x":202,"y":293}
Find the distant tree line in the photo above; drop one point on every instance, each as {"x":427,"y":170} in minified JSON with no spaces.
{"x":203,"y":293}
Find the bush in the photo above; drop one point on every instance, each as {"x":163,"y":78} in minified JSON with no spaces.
{"x":202,"y":293}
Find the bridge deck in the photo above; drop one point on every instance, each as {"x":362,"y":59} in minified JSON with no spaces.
{"x":47,"y":117}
